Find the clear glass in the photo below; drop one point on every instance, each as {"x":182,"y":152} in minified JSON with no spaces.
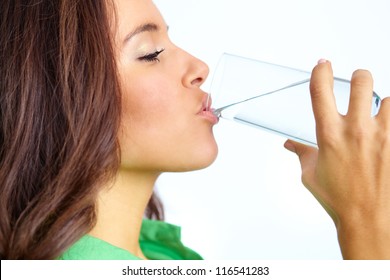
{"x":271,"y":97}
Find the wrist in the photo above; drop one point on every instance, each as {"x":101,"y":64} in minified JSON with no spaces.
{"x":364,"y":237}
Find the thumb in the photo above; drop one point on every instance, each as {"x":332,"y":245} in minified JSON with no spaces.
{"x":307,"y":155}
{"x":308,"y":158}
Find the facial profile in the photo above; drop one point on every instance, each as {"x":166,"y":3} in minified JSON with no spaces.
{"x":164,"y":126}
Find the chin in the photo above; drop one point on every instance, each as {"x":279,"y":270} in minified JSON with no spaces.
{"x":200,"y":159}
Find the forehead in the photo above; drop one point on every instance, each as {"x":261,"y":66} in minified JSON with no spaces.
{"x":133,"y":13}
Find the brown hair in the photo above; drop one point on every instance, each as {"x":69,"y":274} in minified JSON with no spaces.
{"x":59,"y":118}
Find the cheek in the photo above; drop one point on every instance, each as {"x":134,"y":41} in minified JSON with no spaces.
{"x":160,"y":129}
{"x":145,"y":101}
{"x":139,"y":102}
{"x":148,"y":119}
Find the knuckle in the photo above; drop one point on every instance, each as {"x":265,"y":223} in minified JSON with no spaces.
{"x":358,"y":132}
{"x":383,"y":143}
{"x":382,"y":135}
{"x":328,"y":136}
{"x":384,"y":139}
{"x":316,"y":89}
{"x":363,"y":135}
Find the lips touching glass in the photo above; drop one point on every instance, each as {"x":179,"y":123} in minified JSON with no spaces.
{"x":272,"y":97}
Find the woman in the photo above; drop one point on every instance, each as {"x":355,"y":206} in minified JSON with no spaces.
{"x":97,"y":102}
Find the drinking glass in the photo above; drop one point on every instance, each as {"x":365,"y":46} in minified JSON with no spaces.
{"x":272,"y":97}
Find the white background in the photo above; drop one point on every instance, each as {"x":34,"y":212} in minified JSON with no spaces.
{"x":250,"y":204}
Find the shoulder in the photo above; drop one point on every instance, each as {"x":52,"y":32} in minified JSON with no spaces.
{"x":158,"y":240}
{"x":91,"y":248}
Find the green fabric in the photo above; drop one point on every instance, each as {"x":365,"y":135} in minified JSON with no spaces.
{"x":158,"y":241}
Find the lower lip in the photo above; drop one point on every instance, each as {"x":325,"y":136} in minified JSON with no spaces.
{"x":209,"y":116}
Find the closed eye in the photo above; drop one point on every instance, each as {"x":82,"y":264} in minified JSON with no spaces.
{"x":151,"y":57}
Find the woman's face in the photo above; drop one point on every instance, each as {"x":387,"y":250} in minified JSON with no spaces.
{"x":164,"y":125}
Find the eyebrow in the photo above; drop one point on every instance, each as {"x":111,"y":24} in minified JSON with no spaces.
{"x":147,"y":27}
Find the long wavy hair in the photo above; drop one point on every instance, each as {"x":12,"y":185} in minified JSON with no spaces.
{"x":59,"y":120}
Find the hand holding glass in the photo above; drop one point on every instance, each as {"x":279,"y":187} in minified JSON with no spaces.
{"x":272,"y":97}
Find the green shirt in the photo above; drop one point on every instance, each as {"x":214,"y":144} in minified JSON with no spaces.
{"x":158,"y":241}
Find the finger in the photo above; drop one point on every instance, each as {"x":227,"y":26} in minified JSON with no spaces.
{"x":360,"y":101}
{"x":384,"y":113}
{"x":322,"y":97}
{"x":298,"y":148}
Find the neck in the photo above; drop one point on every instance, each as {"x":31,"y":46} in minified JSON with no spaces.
{"x":121,"y":207}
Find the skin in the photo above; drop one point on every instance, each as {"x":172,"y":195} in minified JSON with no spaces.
{"x":162,"y":130}
{"x":349,"y":173}
{"x":163,"y":127}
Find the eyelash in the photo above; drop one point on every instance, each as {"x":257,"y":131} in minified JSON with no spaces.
{"x":151,"y":57}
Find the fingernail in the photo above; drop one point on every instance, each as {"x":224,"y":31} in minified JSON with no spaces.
{"x":322,"y":60}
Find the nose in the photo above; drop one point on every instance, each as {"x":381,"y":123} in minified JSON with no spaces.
{"x":197,"y":72}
